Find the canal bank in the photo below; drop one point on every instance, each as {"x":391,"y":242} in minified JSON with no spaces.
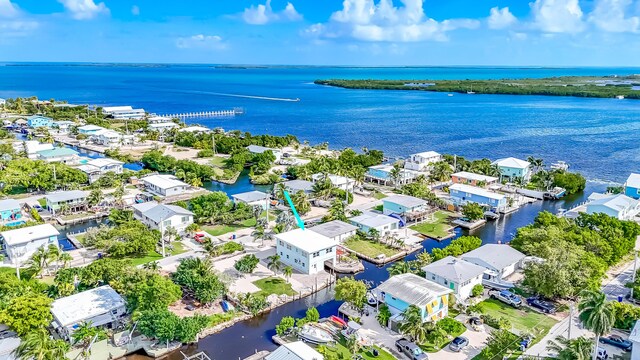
{"x":247,"y":337}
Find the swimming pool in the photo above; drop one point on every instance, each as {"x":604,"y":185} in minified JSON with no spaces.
{"x":15,"y":223}
{"x":66,"y":245}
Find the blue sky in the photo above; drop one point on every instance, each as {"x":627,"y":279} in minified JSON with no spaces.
{"x":324,"y":32}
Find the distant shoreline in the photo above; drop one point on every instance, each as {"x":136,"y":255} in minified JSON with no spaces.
{"x":627,"y":87}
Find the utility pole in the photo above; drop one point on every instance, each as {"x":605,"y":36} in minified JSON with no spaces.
{"x":635,"y":264}
{"x":570,"y":320}
{"x":213,"y":142}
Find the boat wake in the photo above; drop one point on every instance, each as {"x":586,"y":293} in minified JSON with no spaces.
{"x":244,"y":96}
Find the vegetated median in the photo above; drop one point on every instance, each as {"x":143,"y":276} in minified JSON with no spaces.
{"x":578,"y":86}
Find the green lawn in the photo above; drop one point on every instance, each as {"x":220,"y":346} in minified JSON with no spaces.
{"x":341,"y":352}
{"x":178,"y":248}
{"x":378,"y":195}
{"x":274,"y":285}
{"x":42,"y":202}
{"x":379,"y":208}
{"x":370,"y":248}
{"x":217,"y":230}
{"x":523,"y":319}
{"x":217,"y":161}
{"x":438,"y":228}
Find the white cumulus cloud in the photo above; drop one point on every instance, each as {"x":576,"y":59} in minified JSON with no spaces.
{"x":367,"y":20}
{"x":84,"y":9}
{"x":8,"y":9}
{"x":263,"y":14}
{"x":201,"y":41}
{"x":557,"y":16}
{"x":501,"y":18}
{"x":611,"y":15}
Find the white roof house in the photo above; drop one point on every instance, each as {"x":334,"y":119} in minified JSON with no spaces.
{"x":66,"y":196}
{"x":454,"y":269}
{"x":250,"y":196}
{"x":256,"y":149}
{"x":123,"y":112}
{"x":164,"y":185}
{"x":195,"y":129}
{"x":90,"y":128}
{"x":293,"y":186}
{"x":85,"y":305}
{"x":472,"y":177}
{"x":336,"y":229}
{"x":162,"y":126}
{"x":413,"y":289}
{"x":161,"y":216}
{"x":305,"y":250}
{"x":499,"y":258}
{"x":406,"y":201}
{"x":9,"y":204}
{"x":370,"y":220}
{"x":421,"y":161}
{"x":104,"y":162}
{"x":27,"y":234}
{"x":338,"y":181}
{"x":633,"y":180}
{"x":308,"y":241}
{"x":512,"y":162}
{"x":474,"y":190}
{"x":296,"y":350}
{"x":155,"y":119}
{"x":110,"y":109}
{"x":619,"y":206}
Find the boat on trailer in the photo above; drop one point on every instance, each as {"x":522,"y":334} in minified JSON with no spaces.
{"x":314,"y":335}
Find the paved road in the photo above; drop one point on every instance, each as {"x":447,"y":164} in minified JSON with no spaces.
{"x":616,"y":286}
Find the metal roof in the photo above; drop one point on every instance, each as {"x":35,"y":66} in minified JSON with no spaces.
{"x":76,"y":308}
{"x":250,"y":196}
{"x":476,"y":191}
{"x":296,"y":350}
{"x":512,"y":163}
{"x":373,"y":220}
{"x":413,"y":289}
{"x":454,"y":269}
{"x":633,"y":181}
{"x":306,"y":240}
{"x":405,"y":200}
{"x":494,"y":256}
{"x":9,"y":204}
{"x":160,"y":212}
{"x":56,"y":152}
{"x":27,"y":234}
{"x":474,"y":176}
{"x":59,"y":196}
{"x":256,"y":149}
{"x":333,"y":228}
{"x":619,"y":202}
{"x":100,"y":162}
{"x":297,"y":185}
{"x":163,"y":181}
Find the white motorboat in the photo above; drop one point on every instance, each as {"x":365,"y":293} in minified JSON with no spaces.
{"x":314,"y":335}
{"x":371,"y":299}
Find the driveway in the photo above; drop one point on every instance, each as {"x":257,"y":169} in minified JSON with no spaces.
{"x":477,"y":340}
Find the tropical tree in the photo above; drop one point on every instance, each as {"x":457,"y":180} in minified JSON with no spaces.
{"x":441,"y":171}
{"x":95,"y":197}
{"x":570,"y":349}
{"x":85,"y":335}
{"x":257,"y":211}
{"x":596,"y":314}
{"x":473,"y":211}
{"x":53,"y":254}
{"x":384,"y":314}
{"x":396,"y":174}
{"x":170,"y":233}
{"x":260,"y":234}
{"x":374,"y":234}
{"x":151,"y":266}
{"x":301,"y":202}
{"x":287,"y":271}
{"x":353,"y":344}
{"x":413,"y":324}
{"x":274,"y":263}
{"x":38,"y":345}
{"x":39,"y":261}
{"x":424,"y":258}
{"x":352,"y":291}
{"x":400,"y":267}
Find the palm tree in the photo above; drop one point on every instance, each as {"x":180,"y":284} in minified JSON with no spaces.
{"x":180,"y":174}
{"x":194,"y":181}
{"x":85,"y":334}
{"x":575,"y":349}
{"x":63,"y":209}
{"x":596,"y":314}
{"x":152,"y":266}
{"x":441,"y":172}
{"x":424,"y":258}
{"x":95,"y":197}
{"x":38,"y":261}
{"x":38,"y":345}
{"x":395,"y":174}
{"x":285,"y":220}
{"x":287,"y":271}
{"x":66,"y":259}
{"x":118,"y":194}
{"x":301,"y":202}
{"x":257,"y":211}
{"x":53,"y":254}
{"x":169,"y":233}
{"x":274,"y":263}
{"x":413,"y":324}
{"x":260,"y":234}
{"x":353,"y":345}
{"x":400,"y":267}
{"x":374,"y":234}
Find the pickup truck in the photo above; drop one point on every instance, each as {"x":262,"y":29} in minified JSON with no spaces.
{"x":506,"y":297}
{"x":413,"y":351}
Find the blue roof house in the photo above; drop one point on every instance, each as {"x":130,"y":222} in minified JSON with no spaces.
{"x":632,"y":186}
{"x":462,"y":194}
{"x":9,"y":210}
{"x":402,"y":204}
{"x":35,"y":121}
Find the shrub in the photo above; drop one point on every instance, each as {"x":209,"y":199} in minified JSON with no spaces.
{"x":477,"y":290}
{"x":285,"y":325}
{"x":451,"y":326}
{"x":247,"y":264}
{"x":496,"y":323}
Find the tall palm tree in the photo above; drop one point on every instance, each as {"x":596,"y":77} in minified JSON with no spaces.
{"x":170,"y":233}
{"x":596,"y":314}
{"x":287,"y":271}
{"x":95,"y":197}
{"x":38,"y":261}
{"x":413,"y":325}
{"x":85,"y":335}
{"x":396,"y":174}
{"x":260,"y":234}
{"x":274,"y":263}
{"x":374,"y":234}
{"x":38,"y":345}
{"x":574,"y":349}
{"x":53,"y":254}
{"x":66,"y":259}
{"x":152,"y":266}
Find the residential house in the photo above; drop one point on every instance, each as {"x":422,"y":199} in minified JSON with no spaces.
{"x":403,"y":205}
{"x":422,"y":161}
{"x":305,"y":251}
{"x":155,"y":119}
{"x":123,"y":112}
{"x":31,"y":147}
{"x":10,"y":210}
{"x":107,"y":138}
{"x":401,"y":291}
{"x":164,"y":185}
{"x":100,"y":307}
{"x":336,"y":230}
{"x":337,"y":181}
{"x":296,"y":350}
{"x":456,"y":274}
{"x":634,"y":337}
{"x":473,"y":179}
{"x":369,"y":220}
{"x":255,"y":149}
{"x":294,"y":186}
{"x":619,"y":206}
{"x":463,"y":194}
{"x":196,"y":129}
{"x":160,"y":216}
{"x":95,"y":168}
{"x":74,"y":200}
{"x":60,"y":154}
{"x":162,"y":127}
{"x":500,"y":259}
{"x":512,"y":169}
{"x":20,"y":244}
{"x":89,"y":129}
{"x":381,"y":174}
{"x":63,"y":126}
{"x":36,"y":121}
{"x":632,"y":186}
{"x":253,"y":198}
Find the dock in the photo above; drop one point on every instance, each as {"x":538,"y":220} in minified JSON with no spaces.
{"x":212,"y":113}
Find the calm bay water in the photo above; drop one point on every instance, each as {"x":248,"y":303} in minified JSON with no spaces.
{"x":598,"y":137}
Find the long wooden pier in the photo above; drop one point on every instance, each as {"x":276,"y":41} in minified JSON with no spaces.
{"x":213,"y":113}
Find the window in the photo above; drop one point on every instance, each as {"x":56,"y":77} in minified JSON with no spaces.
{"x":114,"y":312}
{"x":446,"y":282}
{"x":185,"y":219}
{"x":167,"y":223}
{"x":281,"y":243}
{"x":288,"y":247}
{"x":280,"y":253}
{"x":433,"y":277}
{"x":287,"y":256}
{"x":328,"y":251}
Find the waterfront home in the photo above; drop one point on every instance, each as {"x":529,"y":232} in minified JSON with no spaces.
{"x":20,"y":244}
{"x":463,"y":194}
{"x":31,"y":147}
{"x":161,"y":127}
{"x":74,"y":200}
{"x":305,"y":251}
{"x":335,"y":230}
{"x":164,"y":185}
{"x":402,"y":204}
{"x":155,"y":119}
{"x":36,"y":121}
{"x":123,"y":112}
{"x":401,"y":291}
{"x":107,"y":138}
{"x":10,"y":210}
{"x":296,"y":350}
{"x":381,"y":174}
{"x":422,"y":161}
{"x":255,"y":149}
{"x":619,"y":206}
{"x":369,"y":220}
{"x":293,"y":186}
{"x":500,"y":259}
{"x":100,"y":307}
{"x":60,"y":154}
{"x":337,"y":181}
{"x":512,"y":169}
{"x":160,"y":216}
{"x":252,"y":198}
{"x":632,"y":186}
{"x":473,"y":179}
{"x":196,"y":129}
{"x":63,"y":126}
{"x":95,"y":168}
{"x":456,"y":274}
{"x":90,"y":129}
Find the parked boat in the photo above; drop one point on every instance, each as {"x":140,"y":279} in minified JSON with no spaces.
{"x":371,"y":299}
{"x":490,"y":215}
{"x":555,"y":193}
{"x":338,"y":320}
{"x":314,"y":335}
{"x":227,"y":306}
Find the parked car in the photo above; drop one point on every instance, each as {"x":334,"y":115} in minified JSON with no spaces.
{"x":544,"y":306}
{"x":506,"y":297}
{"x":458,"y":343}
{"x":617,"y":341}
{"x":410,"y":349}
{"x":602,"y":354}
